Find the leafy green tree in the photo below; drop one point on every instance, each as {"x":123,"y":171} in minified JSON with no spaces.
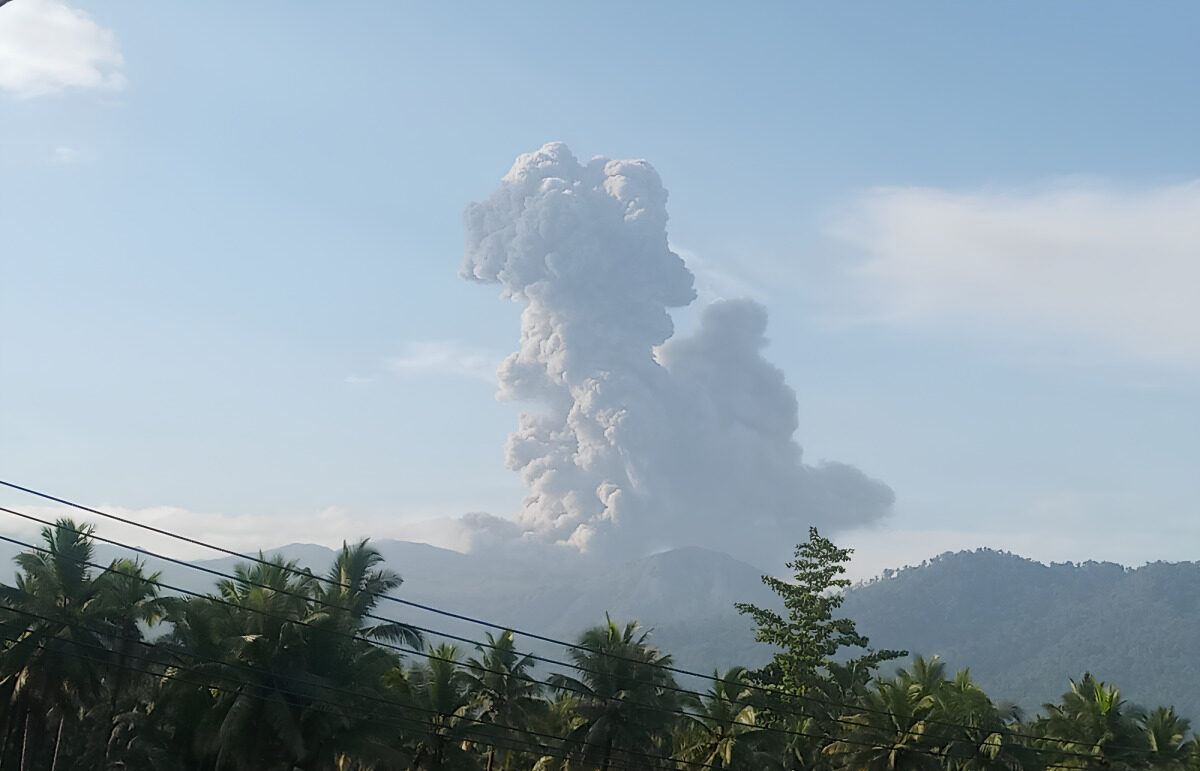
{"x":279,"y":672}
{"x":1094,"y":728}
{"x":341,"y":612}
{"x":440,"y":728}
{"x":503,"y":691}
{"x":920,"y":719}
{"x":133,"y":599}
{"x":892,"y":731}
{"x":59,"y":622}
{"x":1193,"y":753}
{"x":623,"y":697}
{"x":351,"y":593}
{"x":298,"y":675}
{"x":723,"y":729}
{"x":559,"y":717}
{"x":977,"y":733}
{"x":811,"y":676}
{"x":1167,"y":735}
{"x":256,"y":720}
{"x":809,"y":637}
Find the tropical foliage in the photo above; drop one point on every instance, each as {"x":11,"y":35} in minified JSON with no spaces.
{"x":279,"y":669}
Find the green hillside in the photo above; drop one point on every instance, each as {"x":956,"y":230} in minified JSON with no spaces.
{"x":1023,"y":627}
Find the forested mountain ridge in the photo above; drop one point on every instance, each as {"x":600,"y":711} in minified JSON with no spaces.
{"x":684,"y":596}
{"x":275,"y":666}
{"x":1022,"y":626}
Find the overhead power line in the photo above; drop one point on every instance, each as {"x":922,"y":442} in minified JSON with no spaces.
{"x":220,"y":684}
{"x":853,"y":708}
{"x":223,"y":684}
{"x":408,"y":649}
{"x":791,"y":712}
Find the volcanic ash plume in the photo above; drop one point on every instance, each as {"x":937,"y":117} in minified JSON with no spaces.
{"x":643,"y":440}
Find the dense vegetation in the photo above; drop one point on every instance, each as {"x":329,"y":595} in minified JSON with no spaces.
{"x":1023,"y":626}
{"x":278,"y":668}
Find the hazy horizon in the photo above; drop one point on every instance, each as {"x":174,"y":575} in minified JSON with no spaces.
{"x":926,"y":308}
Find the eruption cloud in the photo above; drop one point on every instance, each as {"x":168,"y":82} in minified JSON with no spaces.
{"x":643,"y":440}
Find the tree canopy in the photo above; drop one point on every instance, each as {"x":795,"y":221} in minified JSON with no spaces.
{"x":280,"y":669}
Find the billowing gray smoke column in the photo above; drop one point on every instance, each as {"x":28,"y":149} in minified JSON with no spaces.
{"x":692,"y":445}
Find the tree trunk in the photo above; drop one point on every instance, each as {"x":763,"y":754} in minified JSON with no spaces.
{"x":112,"y":708}
{"x":491,"y":755}
{"x":25,"y":740}
{"x":57,"y":743}
{"x":4,"y":745}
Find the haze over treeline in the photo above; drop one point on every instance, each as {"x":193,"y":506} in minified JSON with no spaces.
{"x":1022,"y":627}
{"x":927,"y":284}
{"x":282,"y":667}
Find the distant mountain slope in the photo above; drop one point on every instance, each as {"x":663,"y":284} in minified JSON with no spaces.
{"x":1023,"y":628}
{"x":684,"y":596}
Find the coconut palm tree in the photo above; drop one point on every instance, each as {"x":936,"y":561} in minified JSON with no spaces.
{"x":54,"y":624}
{"x":623,"y":694}
{"x":352,"y":590}
{"x":1094,"y":728}
{"x":1193,"y":753}
{"x":977,"y":732}
{"x":723,"y":729}
{"x":892,"y":731}
{"x":439,"y":725}
{"x":503,"y":691}
{"x":338,"y":632}
{"x":300,"y":679}
{"x":259,"y":714}
{"x":559,"y":717}
{"x":133,"y":601}
{"x":1167,"y":734}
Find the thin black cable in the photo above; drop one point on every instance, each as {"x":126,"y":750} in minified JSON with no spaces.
{"x":450,"y":614}
{"x":316,"y":704}
{"x":311,"y":700}
{"x":306,"y":574}
{"x":934,"y":752}
{"x":316,"y":700}
{"x":840,"y":719}
{"x":393,"y":646}
{"x":427,"y":654}
{"x":310,"y":575}
{"x":431,"y":655}
{"x":390,"y":598}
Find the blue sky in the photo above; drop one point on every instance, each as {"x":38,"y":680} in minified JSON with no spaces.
{"x":231,"y":235}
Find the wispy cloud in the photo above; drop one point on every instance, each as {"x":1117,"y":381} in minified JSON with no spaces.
{"x":445,"y":357}
{"x":249,"y":531}
{"x":65,"y":156}
{"x":713,"y":283}
{"x":46,"y":46}
{"x":1097,"y":268}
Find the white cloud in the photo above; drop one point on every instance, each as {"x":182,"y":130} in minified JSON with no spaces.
{"x":445,"y":357}
{"x":247,"y":532}
{"x":46,"y":46}
{"x":65,"y":156}
{"x":713,"y":283}
{"x":1092,"y":267}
